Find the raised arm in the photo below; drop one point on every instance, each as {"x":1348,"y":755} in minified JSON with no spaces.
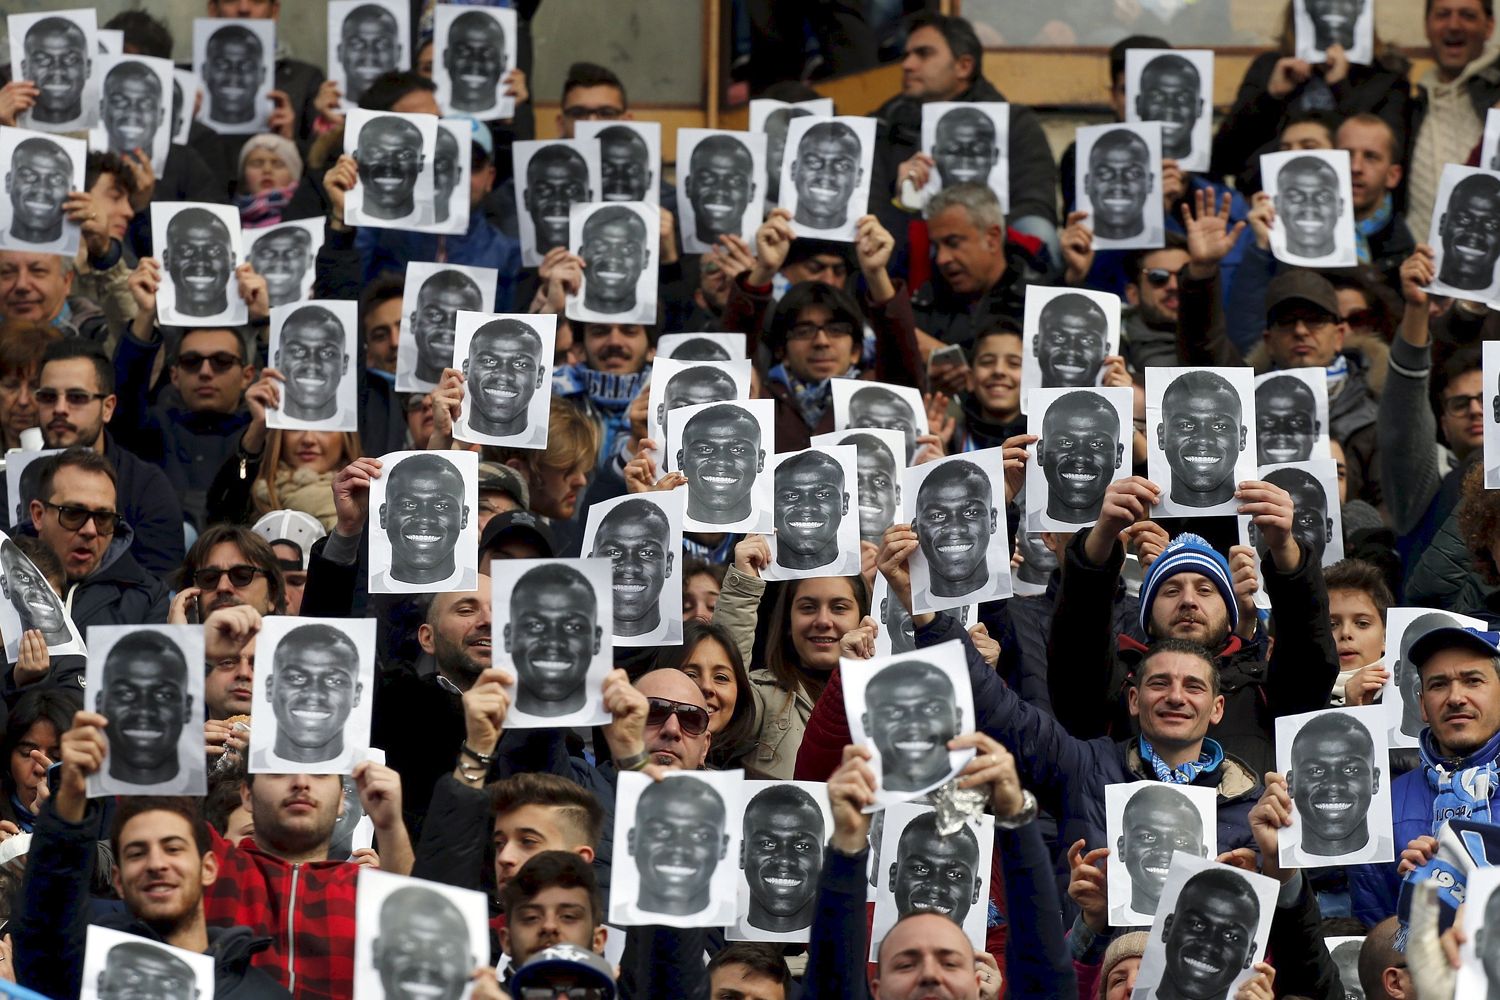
{"x":1407,"y":427}
{"x":1202,"y":338}
{"x":836,"y":964}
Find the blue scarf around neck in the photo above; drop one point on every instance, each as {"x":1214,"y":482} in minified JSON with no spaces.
{"x":1183,"y":774}
{"x":1463,"y":788}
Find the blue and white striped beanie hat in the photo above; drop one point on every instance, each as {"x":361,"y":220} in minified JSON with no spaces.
{"x":1189,"y":553}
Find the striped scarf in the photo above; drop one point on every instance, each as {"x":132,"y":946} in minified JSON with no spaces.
{"x":1183,"y":774}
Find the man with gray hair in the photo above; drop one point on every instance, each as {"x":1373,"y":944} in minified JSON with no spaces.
{"x":977,"y":280}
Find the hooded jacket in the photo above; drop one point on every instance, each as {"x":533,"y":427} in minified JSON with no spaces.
{"x":118,"y":591}
{"x":50,"y":941}
{"x":1090,"y":664}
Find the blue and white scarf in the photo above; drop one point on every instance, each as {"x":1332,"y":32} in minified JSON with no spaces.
{"x":1463,"y":789}
{"x":1183,"y":774}
{"x":811,"y":398}
{"x":1374,"y":224}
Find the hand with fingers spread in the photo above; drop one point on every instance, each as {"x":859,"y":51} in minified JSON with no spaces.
{"x":1126,"y":502}
{"x":850,"y":789}
{"x":859,"y":643}
{"x":1087,"y":887}
{"x":1077,"y":241}
{"x":351,"y":495}
{"x":1270,"y":510}
{"x":1211,"y":233}
{"x":993,"y":768}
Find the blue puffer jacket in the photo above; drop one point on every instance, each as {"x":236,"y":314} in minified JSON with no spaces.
{"x":1373,"y":889}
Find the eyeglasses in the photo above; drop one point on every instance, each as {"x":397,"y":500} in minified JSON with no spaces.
{"x":73,"y":518}
{"x":582,"y":112}
{"x":240,"y":575}
{"x":553,"y":992}
{"x":1314,"y":321}
{"x":1159,"y":277}
{"x":220,"y":361}
{"x":75,"y":397}
{"x":692,"y":719}
{"x":808,"y":331}
{"x":1457,"y":406}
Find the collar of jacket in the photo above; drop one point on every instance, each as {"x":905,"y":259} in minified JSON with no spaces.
{"x":1233,"y":778}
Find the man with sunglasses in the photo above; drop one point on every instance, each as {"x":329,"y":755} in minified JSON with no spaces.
{"x":75,"y":398}
{"x":77,"y":517}
{"x":230,"y":565}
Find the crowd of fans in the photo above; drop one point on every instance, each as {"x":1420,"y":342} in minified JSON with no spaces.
{"x":171,"y":501}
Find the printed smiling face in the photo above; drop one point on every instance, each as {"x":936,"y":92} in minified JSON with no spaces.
{"x":475,"y":59}
{"x":369,"y":45}
{"x":615,"y":253}
{"x":132,"y":107}
{"x":552,"y":637}
{"x":826,"y":173}
{"x":1210,"y":936}
{"x":964,"y":149}
{"x":692,"y":387}
{"x":233,"y":74}
{"x":782,"y":857}
{"x":1118,"y":182}
{"x":504,"y":371}
{"x":56,"y":58}
{"x":422,"y":952}
{"x":625,"y":163}
{"x":1332,"y":780}
{"x":390,"y":157}
{"x":312,"y":357}
{"x":911,"y":713}
{"x":637,"y":539}
{"x":1202,"y":436}
{"x":1311,"y":525}
{"x":313,"y":688}
{"x":33,"y":598}
{"x":1470,"y":233}
{"x":146,"y":699}
{"x":955,"y":519}
{"x":137,"y":971}
{"x":677,"y":843}
{"x":1308,"y":205}
{"x":438,"y":304}
{"x":1070,"y":341}
{"x":38,"y":182}
{"x":556,"y":179}
{"x":884,"y":410}
{"x":200,"y":259}
{"x":1170,"y":94}
{"x":1286,"y":421}
{"x":775,"y":128}
{"x":282,"y":257}
{"x":719,"y":186}
{"x":1333,"y":22}
{"x":1079,"y":451}
{"x":424,"y":516}
{"x":721,"y":455}
{"x":811,"y":503}
{"x":879,"y":486}
{"x":936,"y":874}
{"x":1156,"y":822}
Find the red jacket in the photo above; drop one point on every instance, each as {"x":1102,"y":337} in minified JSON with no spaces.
{"x":307,"y":909}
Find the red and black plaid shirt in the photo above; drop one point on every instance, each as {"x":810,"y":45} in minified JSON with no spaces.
{"x":307,"y":909}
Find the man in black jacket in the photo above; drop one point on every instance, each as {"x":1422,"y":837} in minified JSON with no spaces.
{"x":944,"y":62}
{"x":156,"y":842}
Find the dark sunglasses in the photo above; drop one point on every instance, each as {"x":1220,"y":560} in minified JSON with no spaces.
{"x":692,"y":719}
{"x":208,"y":577}
{"x":1157,"y":276}
{"x":76,"y":398}
{"x":220,"y":361}
{"x":74,"y":518}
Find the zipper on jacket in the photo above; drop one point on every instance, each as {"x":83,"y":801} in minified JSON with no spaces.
{"x":291,"y":937}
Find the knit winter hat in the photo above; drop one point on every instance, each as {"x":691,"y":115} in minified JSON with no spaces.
{"x":1189,"y":553}
{"x":1132,"y":945}
{"x":283,"y":148}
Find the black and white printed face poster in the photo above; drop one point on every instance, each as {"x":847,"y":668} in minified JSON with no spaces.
{"x":956,"y":505}
{"x":414,"y":938}
{"x":198,"y":245}
{"x":40,"y":171}
{"x":314,"y":346}
{"x":641,"y":536}
{"x":825,"y":177}
{"x":922,"y":871}
{"x":434,"y":296}
{"x":1082,"y":435}
{"x":552,"y":176}
{"x":236,"y":60}
{"x":968,"y":142}
{"x":724,"y":449}
{"x":1465,"y":234}
{"x":629,"y":158}
{"x":1337,"y":768}
{"x":148,"y":682}
{"x":474,"y":49}
{"x":676,"y":383}
{"x":507,"y":381}
{"x":1145,"y":822}
{"x":56,"y":51}
{"x":1491,"y":406}
{"x":1176,"y":88}
{"x":676,"y":865}
{"x":618,"y":243}
{"x":396,"y":156}
{"x":30,"y":603}
{"x":719,"y":192}
{"x":425,"y":535}
{"x":552,"y":617}
{"x":314,"y":692}
{"x":1291,"y":416}
{"x":1479,"y":973}
{"x":118,"y":964}
{"x":814,"y":496}
{"x":1319,"y":25}
{"x":1210,"y":930}
{"x":1119,"y":185}
{"x":365,"y":39}
{"x":1314,"y":199}
{"x":905,"y":708}
{"x":784,"y":825}
{"x":1198,"y":424}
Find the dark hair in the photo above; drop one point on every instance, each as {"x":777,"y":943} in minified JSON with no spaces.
{"x":223,"y":798}
{"x":760,"y":958}
{"x":790,"y":91}
{"x":1184,"y":646}
{"x":1315,"y":116}
{"x":86,"y":459}
{"x":142,"y":32}
{"x":102,"y":161}
{"x":1459,"y":363}
{"x":1488,"y":5}
{"x":389,"y":87}
{"x":578,"y":806}
{"x":781,"y":657}
{"x":805,"y":250}
{"x":128,"y":807}
{"x":23,"y":345}
{"x":254,"y":548}
{"x":1134,"y":260}
{"x":587,"y":74}
{"x":384,"y":288}
{"x":72,"y":348}
{"x":738,"y":737}
{"x":805,"y":294}
{"x":958,"y":33}
{"x":1365,"y":577}
{"x":1117,"y":52}
{"x":553,"y":869}
{"x":1479,"y":522}
{"x":43,"y":704}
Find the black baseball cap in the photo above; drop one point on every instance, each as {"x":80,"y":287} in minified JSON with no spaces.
{"x":1301,"y":285}
{"x":518,"y":523}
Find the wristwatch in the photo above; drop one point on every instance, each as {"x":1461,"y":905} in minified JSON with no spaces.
{"x":1026,"y":815}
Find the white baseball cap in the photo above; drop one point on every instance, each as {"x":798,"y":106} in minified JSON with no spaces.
{"x":294,"y":527}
